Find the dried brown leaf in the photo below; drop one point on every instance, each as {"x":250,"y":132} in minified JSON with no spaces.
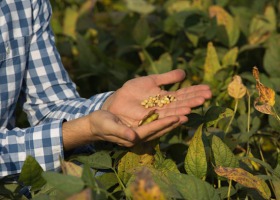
{"x":266,"y":94}
{"x":70,"y":168}
{"x":245,"y":178}
{"x":263,"y":108}
{"x":144,"y":187}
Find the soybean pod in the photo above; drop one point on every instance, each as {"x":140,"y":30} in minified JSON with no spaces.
{"x":152,"y":116}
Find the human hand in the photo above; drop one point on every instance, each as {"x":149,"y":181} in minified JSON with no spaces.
{"x":108,"y":127}
{"x":105,"y":126}
{"x":125,"y":102}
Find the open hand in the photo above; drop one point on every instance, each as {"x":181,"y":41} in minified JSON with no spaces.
{"x":126,"y":101}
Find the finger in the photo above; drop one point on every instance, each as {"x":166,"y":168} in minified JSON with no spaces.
{"x":119,"y":141}
{"x":198,"y":90}
{"x":171,"y":77}
{"x":161,"y":132}
{"x":186,"y":104}
{"x":146,"y":130}
{"x":174,"y":110}
{"x":119,"y":133}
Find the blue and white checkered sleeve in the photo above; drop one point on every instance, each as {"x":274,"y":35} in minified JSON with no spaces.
{"x":50,"y":94}
{"x":43,"y":142}
{"x":49,"y":97}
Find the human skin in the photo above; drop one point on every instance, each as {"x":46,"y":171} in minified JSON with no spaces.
{"x":118,"y":120}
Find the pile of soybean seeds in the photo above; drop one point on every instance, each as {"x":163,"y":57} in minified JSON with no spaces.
{"x":158,"y":101}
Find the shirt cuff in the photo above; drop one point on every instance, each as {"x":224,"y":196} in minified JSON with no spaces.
{"x":44,"y":143}
{"x":98,"y":100}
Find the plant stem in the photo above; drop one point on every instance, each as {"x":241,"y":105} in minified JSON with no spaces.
{"x":276,"y":114}
{"x":121,"y":183}
{"x":262,"y":157}
{"x":249,"y":112}
{"x":232,"y":117}
{"x":229,"y":188}
{"x":106,"y":192}
{"x":248,"y":121}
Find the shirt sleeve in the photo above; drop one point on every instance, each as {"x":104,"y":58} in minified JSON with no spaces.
{"x":43,"y":142}
{"x":48,"y":96}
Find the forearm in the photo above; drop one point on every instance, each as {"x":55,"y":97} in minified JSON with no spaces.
{"x":76,"y":133}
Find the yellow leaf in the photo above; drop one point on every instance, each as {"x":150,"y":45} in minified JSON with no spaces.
{"x":225,"y":19}
{"x":266,"y":95}
{"x":261,"y":27}
{"x":140,"y":155}
{"x":236,"y":89}
{"x":252,"y":164}
{"x":144,"y":187}
{"x":195,"y":161}
{"x":245,"y":178}
{"x":212,"y":64}
{"x":69,"y":23}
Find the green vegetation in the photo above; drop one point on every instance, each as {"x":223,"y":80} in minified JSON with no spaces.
{"x":229,"y":149}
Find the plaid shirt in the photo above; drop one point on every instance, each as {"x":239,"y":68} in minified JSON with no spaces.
{"x":31,"y":73}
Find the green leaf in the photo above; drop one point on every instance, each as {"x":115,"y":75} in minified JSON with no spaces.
{"x":262,"y":26}
{"x":242,"y":18}
{"x":139,"y":6}
{"x":193,"y":38}
{"x":242,"y":122}
{"x":108,"y":180}
{"x":87,"y":59}
{"x":31,"y":174}
{"x":271,"y":57}
{"x":224,"y":19}
{"x":65,"y":183}
{"x":244,"y":136}
{"x":222,"y":154}
{"x":222,"y":2}
{"x":277,"y":168}
{"x":9,"y":190}
{"x":223,"y":192}
{"x":276,"y":185}
{"x":41,"y":197}
{"x":164,"y":63}
{"x":177,"y":6}
{"x":88,"y":177}
{"x":195,"y":120}
{"x":191,"y":187}
{"x":164,"y":165}
{"x":213,"y":114}
{"x":98,"y":160}
{"x":91,"y":182}
{"x":141,"y":31}
{"x":195,"y":161}
{"x":230,"y":57}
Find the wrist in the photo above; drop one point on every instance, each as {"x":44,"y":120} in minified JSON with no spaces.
{"x":76,"y":133}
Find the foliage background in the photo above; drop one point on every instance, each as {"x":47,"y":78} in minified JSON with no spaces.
{"x":104,"y":43}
